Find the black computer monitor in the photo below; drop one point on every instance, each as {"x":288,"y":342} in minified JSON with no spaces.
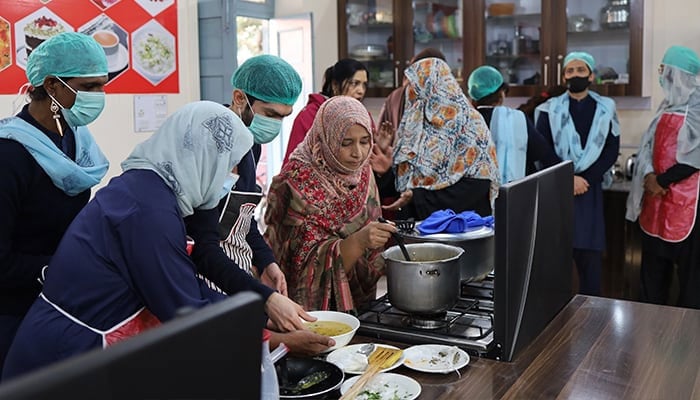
{"x":533,"y":255}
{"x":210,"y":353}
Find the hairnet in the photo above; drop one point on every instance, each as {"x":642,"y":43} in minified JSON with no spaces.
{"x":683,"y":58}
{"x":580,"y":55}
{"x":268,"y":78}
{"x":68,"y":54}
{"x":484,"y":81}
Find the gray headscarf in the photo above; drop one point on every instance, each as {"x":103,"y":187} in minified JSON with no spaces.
{"x":194,"y":151}
{"x":682,"y":95}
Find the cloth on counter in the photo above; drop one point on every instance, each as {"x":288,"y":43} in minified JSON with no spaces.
{"x":448,"y":221}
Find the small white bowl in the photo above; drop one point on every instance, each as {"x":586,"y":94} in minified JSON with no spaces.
{"x":340,"y":340}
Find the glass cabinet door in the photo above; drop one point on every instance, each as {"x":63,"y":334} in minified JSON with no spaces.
{"x":438,"y":24}
{"x":370,"y":40}
{"x":601,"y":28}
{"x":512,"y":35}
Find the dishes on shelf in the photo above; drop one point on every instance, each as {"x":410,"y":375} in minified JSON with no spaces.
{"x":368,"y":51}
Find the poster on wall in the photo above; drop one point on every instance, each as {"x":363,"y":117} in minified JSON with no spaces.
{"x":139,"y":38}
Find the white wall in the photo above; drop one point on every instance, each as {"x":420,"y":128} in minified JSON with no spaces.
{"x":114,"y":129}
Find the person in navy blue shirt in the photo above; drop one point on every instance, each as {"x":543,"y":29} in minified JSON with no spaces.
{"x":48,"y":163}
{"x":265,"y":88}
{"x":582,"y":126}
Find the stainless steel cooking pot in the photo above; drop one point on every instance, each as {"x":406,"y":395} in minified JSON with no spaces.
{"x":428,"y":284}
{"x":478,"y":246}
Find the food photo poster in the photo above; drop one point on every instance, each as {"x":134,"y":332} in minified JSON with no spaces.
{"x":139,"y":38}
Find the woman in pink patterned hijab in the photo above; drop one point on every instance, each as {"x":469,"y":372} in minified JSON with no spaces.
{"x":322,"y":212}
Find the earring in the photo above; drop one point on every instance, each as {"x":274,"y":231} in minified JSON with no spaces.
{"x":56,"y":117}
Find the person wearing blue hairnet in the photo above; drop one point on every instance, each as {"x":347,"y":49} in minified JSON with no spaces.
{"x":664,"y":193}
{"x":518,"y":144}
{"x":264,"y":89}
{"x":48,"y":163}
{"x":582,"y":126}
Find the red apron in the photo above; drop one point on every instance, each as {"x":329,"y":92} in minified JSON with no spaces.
{"x":670,"y":217}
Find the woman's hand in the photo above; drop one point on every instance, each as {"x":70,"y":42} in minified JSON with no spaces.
{"x":384,"y":138}
{"x":285,"y":315}
{"x":403,"y":200}
{"x":382,"y":157}
{"x":273,"y":277}
{"x":580,"y":185}
{"x":375,"y":234}
{"x":651,"y":185}
{"x":302,"y":342}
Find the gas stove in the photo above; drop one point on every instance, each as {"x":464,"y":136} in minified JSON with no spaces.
{"x":469,"y":324}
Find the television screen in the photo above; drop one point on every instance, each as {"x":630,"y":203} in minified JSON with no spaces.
{"x":213,"y":352}
{"x":533,"y":255}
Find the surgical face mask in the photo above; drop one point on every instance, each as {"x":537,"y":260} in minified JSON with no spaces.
{"x":264,"y":129}
{"x":229,"y":182}
{"x":86,"y":108}
{"x":578,"y":84}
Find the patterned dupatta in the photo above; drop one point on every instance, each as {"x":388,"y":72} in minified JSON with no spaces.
{"x":313,"y":204}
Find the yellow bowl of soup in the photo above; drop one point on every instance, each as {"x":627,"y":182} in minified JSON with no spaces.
{"x":338,"y":325}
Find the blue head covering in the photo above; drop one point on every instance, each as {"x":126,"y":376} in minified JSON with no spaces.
{"x":69,"y":54}
{"x":268,"y":78}
{"x":194,"y":151}
{"x":682,"y":57}
{"x":484,"y":81}
{"x":580,"y":55}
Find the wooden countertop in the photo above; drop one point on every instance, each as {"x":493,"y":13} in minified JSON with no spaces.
{"x":595,"y":348}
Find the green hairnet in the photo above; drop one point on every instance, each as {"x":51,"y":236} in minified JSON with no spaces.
{"x":484,"y":81}
{"x":268,"y":78}
{"x":68,"y":54}
{"x":682,"y":58}
{"x":580,"y":55}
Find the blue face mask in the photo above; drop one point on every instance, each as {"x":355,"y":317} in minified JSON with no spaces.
{"x":229,"y":182}
{"x":264,"y":129}
{"x":86,"y":108}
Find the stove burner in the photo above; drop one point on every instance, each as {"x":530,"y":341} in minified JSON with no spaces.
{"x":433,"y":321}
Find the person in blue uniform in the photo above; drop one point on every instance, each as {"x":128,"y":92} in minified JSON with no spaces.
{"x":664,"y":193}
{"x":265,"y":89}
{"x":48,"y":163}
{"x":520,"y":149}
{"x":122,"y":266}
{"x":582,"y":126}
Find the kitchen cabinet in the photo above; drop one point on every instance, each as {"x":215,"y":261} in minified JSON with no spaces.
{"x":385,"y":34}
{"x":526,"y":40}
{"x":528,"y":43}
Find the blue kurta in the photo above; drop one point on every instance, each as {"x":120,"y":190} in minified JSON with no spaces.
{"x":589,"y":223}
{"x":125,"y":250}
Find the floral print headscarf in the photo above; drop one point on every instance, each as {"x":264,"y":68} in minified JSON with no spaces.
{"x":441,"y":138}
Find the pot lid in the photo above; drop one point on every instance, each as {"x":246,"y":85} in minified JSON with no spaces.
{"x":476,"y":233}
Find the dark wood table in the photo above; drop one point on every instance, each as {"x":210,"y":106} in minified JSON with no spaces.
{"x":595,"y":348}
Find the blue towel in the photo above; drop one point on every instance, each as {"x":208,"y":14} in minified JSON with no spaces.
{"x":446,"y":221}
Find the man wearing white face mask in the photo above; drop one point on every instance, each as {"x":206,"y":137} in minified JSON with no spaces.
{"x":48,"y":163}
{"x":265,"y":88}
{"x":664,"y":193}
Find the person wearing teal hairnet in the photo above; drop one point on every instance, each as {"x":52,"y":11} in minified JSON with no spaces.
{"x":582,"y":126}
{"x":664,"y":193}
{"x":264,"y":89}
{"x":518,"y":144}
{"x":48,"y":163}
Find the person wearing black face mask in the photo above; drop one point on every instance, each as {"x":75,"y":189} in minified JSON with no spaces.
{"x":582,"y":126}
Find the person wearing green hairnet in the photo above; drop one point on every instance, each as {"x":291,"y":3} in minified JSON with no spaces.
{"x":264,"y":89}
{"x":518,"y":144}
{"x":664,"y":193}
{"x":48,"y":163}
{"x":582,"y":126}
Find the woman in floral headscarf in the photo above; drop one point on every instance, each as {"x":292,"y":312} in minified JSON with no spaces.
{"x":323,"y":209}
{"x":444,"y":156}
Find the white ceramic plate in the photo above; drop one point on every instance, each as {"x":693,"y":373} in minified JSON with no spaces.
{"x":352,"y":362}
{"x":435,"y":358}
{"x":387,"y":386}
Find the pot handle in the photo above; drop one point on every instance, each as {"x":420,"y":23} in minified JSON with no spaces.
{"x":432,"y":272}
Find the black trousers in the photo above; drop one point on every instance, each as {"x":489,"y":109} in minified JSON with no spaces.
{"x":658,"y":259}
{"x":589,"y":264}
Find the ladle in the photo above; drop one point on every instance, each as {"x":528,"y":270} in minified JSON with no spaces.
{"x":399,"y":240}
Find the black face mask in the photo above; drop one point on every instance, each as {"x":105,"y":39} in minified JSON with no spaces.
{"x":578,"y":84}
